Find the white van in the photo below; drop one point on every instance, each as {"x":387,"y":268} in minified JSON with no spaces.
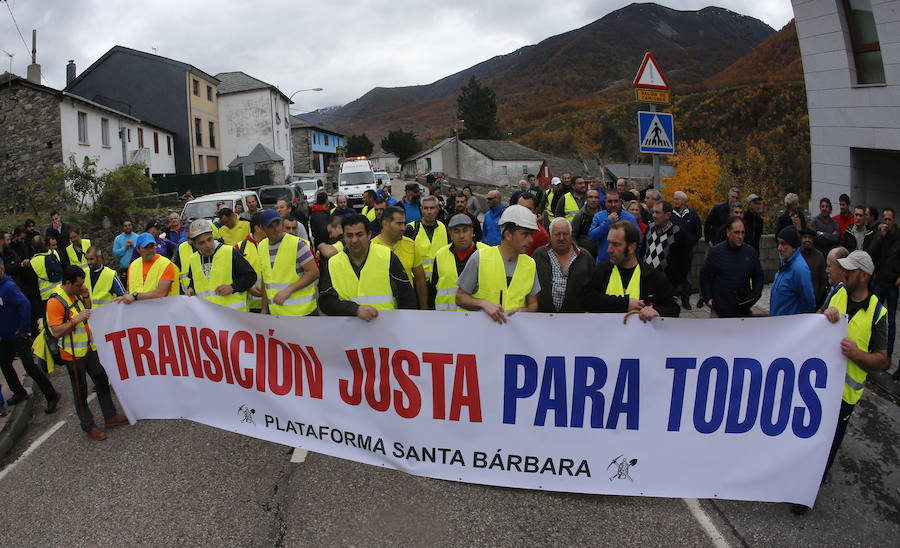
{"x":205,"y":207}
{"x":355,"y":177}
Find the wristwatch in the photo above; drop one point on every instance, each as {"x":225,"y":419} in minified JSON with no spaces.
{"x":134,"y":295}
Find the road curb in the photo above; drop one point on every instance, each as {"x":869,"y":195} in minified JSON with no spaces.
{"x":19,"y":416}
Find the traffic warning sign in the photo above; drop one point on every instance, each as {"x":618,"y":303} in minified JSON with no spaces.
{"x":649,"y":76}
{"x":656,"y":132}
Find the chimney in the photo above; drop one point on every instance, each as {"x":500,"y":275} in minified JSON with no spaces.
{"x":70,"y":71}
{"x":34,"y":69}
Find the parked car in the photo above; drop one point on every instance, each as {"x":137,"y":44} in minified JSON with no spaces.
{"x":383,"y":177}
{"x":355,"y":177}
{"x":205,"y":207}
{"x":308,"y":189}
{"x":270,"y":194}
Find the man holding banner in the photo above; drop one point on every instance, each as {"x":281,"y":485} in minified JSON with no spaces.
{"x":624,"y":284}
{"x":287,"y":270}
{"x":217,"y":273}
{"x":363,"y":278}
{"x":151,"y":276}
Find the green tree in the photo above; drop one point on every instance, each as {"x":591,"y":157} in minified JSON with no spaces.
{"x":476,"y":105}
{"x":119,"y":191}
{"x":402,"y":143}
{"x":359,"y":145}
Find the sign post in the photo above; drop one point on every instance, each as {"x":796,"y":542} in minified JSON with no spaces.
{"x":655,"y":130}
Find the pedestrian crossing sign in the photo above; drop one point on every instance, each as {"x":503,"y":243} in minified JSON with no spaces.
{"x":656,"y":133}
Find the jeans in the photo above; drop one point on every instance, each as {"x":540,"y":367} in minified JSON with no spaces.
{"x":90,"y":364}
{"x":888,"y":296}
{"x":22,"y":348}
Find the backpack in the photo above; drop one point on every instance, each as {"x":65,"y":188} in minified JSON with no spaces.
{"x":53,"y":267}
{"x":53,"y":342}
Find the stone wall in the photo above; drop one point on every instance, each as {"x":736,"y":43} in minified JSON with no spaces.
{"x":30,"y":137}
{"x":302,"y":150}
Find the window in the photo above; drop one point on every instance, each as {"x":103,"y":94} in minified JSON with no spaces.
{"x":82,"y":128}
{"x":864,"y":39}
{"x":129,"y":134}
{"x":104,"y":132}
{"x":277,"y":118}
{"x":503,"y":168}
{"x":200,"y":164}
{"x":278,"y":139}
{"x":198,"y":135}
{"x":140,"y":137}
{"x":524,"y":170}
{"x":196,"y":87}
{"x":428,"y":163}
{"x":326,"y":140}
{"x":156,"y":142}
{"x":169,"y":144}
{"x":209,"y":95}
{"x":212,"y":135}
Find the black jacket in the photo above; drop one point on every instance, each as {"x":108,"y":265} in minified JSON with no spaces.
{"x":578,"y":276}
{"x":680,"y":254}
{"x":716,"y":219}
{"x":753,"y":229}
{"x":318,"y":226}
{"x":655,"y":290}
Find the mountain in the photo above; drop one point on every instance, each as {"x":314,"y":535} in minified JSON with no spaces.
{"x":578,"y":65}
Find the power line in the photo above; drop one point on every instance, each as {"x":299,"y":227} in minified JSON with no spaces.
{"x":24,"y":43}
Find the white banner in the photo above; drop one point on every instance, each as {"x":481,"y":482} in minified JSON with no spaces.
{"x":725,"y":408}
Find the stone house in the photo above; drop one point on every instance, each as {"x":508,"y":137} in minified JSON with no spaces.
{"x":314,"y":148}
{"x":262,"y":157}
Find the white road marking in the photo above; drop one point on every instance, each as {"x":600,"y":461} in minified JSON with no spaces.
{"x":708,"y":526}
{"x":40,"y":440}
{"x":299,"y":455}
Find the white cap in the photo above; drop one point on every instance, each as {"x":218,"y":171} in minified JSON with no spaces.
{"x":520,"y":216}
{"x":555,"y":181}
{"x":198,"y":227}
{"x":858,"y":260}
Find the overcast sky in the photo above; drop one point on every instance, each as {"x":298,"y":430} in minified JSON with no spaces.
{"x":346,"y":47}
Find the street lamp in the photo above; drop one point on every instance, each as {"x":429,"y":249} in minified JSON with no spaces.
{"x":299,"y":90}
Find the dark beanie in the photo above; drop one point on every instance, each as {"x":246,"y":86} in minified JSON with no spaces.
{"x":789,"y":234}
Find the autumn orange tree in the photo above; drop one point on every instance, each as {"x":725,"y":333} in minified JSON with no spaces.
{"x":697,"y":174}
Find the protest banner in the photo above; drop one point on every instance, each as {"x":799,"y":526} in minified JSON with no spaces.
{"x":726,"y":408}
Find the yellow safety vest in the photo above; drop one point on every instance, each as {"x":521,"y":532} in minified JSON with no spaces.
{"x":78,"y":342}
{"x":39,"y":265}
{"x":249,"y":251}
{"x":405,"y":249}
{"x":301,"y":302}
{"x":185,"y":250}
{"x":492,"y":279}
{"x":859,"y":329}
{"x":219,"y":274}
{"x":571,"y":207}
{"x":614,"y":287}
{"x":550,"y":205}
{"x":101,"y":294}
{"x":137,"y":283}
{"x":372,"y":287}
{"x":369,"y":213}
{"x":429,"y":248}
{"x":445,"y":269}
{"x":73,"y":257}
{"x":233,"y":236}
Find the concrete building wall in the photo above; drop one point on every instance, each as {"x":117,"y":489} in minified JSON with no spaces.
{"x":246,"y":121}
{"x":391,"y":164}
{"x":203,"y":105}
{"x":301,"y":147}
{"x":854,"y":128}
{"x":30,"y":137}
{"x":475,"y":166}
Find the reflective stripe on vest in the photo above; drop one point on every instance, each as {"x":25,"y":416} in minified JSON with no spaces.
{"x":571,"y":207}
{"x":614,"y":287}
{"x":219,"y":274}
{"x":248,"y":249}
{"x":301,"y":302}
{"x":78,"y":342}
{"x":372,"y":287}
{"x":492,"y":279}
{"x":137,"y":283}
{"x":445,"y":269}
{"x":39,"y":265}
{"x":185,"y":251}
{"x":101,"y":294}
{"x":859,"y":329}
{"x":73,"y":257}
{"x":429,"y":248}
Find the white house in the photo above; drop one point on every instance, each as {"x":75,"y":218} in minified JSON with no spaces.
{"x":501,"y":163}
{"x":387,"y":161}
{"x":851,"y":64}
{"x":252,"y":112}
{"x":112,"y":138}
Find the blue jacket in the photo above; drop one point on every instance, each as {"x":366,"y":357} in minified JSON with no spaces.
{"x":600,"y":230}
{"x":491,"y":233}
{"x":792,"y":290}
{"x":413,"y":213}
{"x":120,"y":251}
{"x":15,"y":310}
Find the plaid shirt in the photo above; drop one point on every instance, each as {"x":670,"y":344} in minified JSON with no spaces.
{"x":559,"y":280}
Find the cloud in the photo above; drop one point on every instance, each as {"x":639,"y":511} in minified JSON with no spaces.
{"x":296,"y":45}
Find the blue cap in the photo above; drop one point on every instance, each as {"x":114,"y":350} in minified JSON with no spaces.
{"x":145,"y":239}
{"x":266,"y":217}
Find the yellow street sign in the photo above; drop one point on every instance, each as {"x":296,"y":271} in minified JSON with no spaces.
{"x":652,"y":95}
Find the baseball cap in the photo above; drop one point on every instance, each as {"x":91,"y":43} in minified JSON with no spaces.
{"x":198,"y":227}
{"x":752,"y":198}
{"x":520,"y":216}
{"x":267,"y":216}
{"x":459,"y":219}
{"x":555,"y":181}
{"x":858,"y":260}
{"x":145,"y":239}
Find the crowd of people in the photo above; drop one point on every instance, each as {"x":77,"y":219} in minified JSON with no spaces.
{"x":578,"y":247}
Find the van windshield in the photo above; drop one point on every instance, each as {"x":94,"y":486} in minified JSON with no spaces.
{"x":204,"y":210}
{"x":272,"y":195}
{"x":358,"y":178}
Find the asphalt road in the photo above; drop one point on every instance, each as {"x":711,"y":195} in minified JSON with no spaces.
{"x":174,"y":482}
